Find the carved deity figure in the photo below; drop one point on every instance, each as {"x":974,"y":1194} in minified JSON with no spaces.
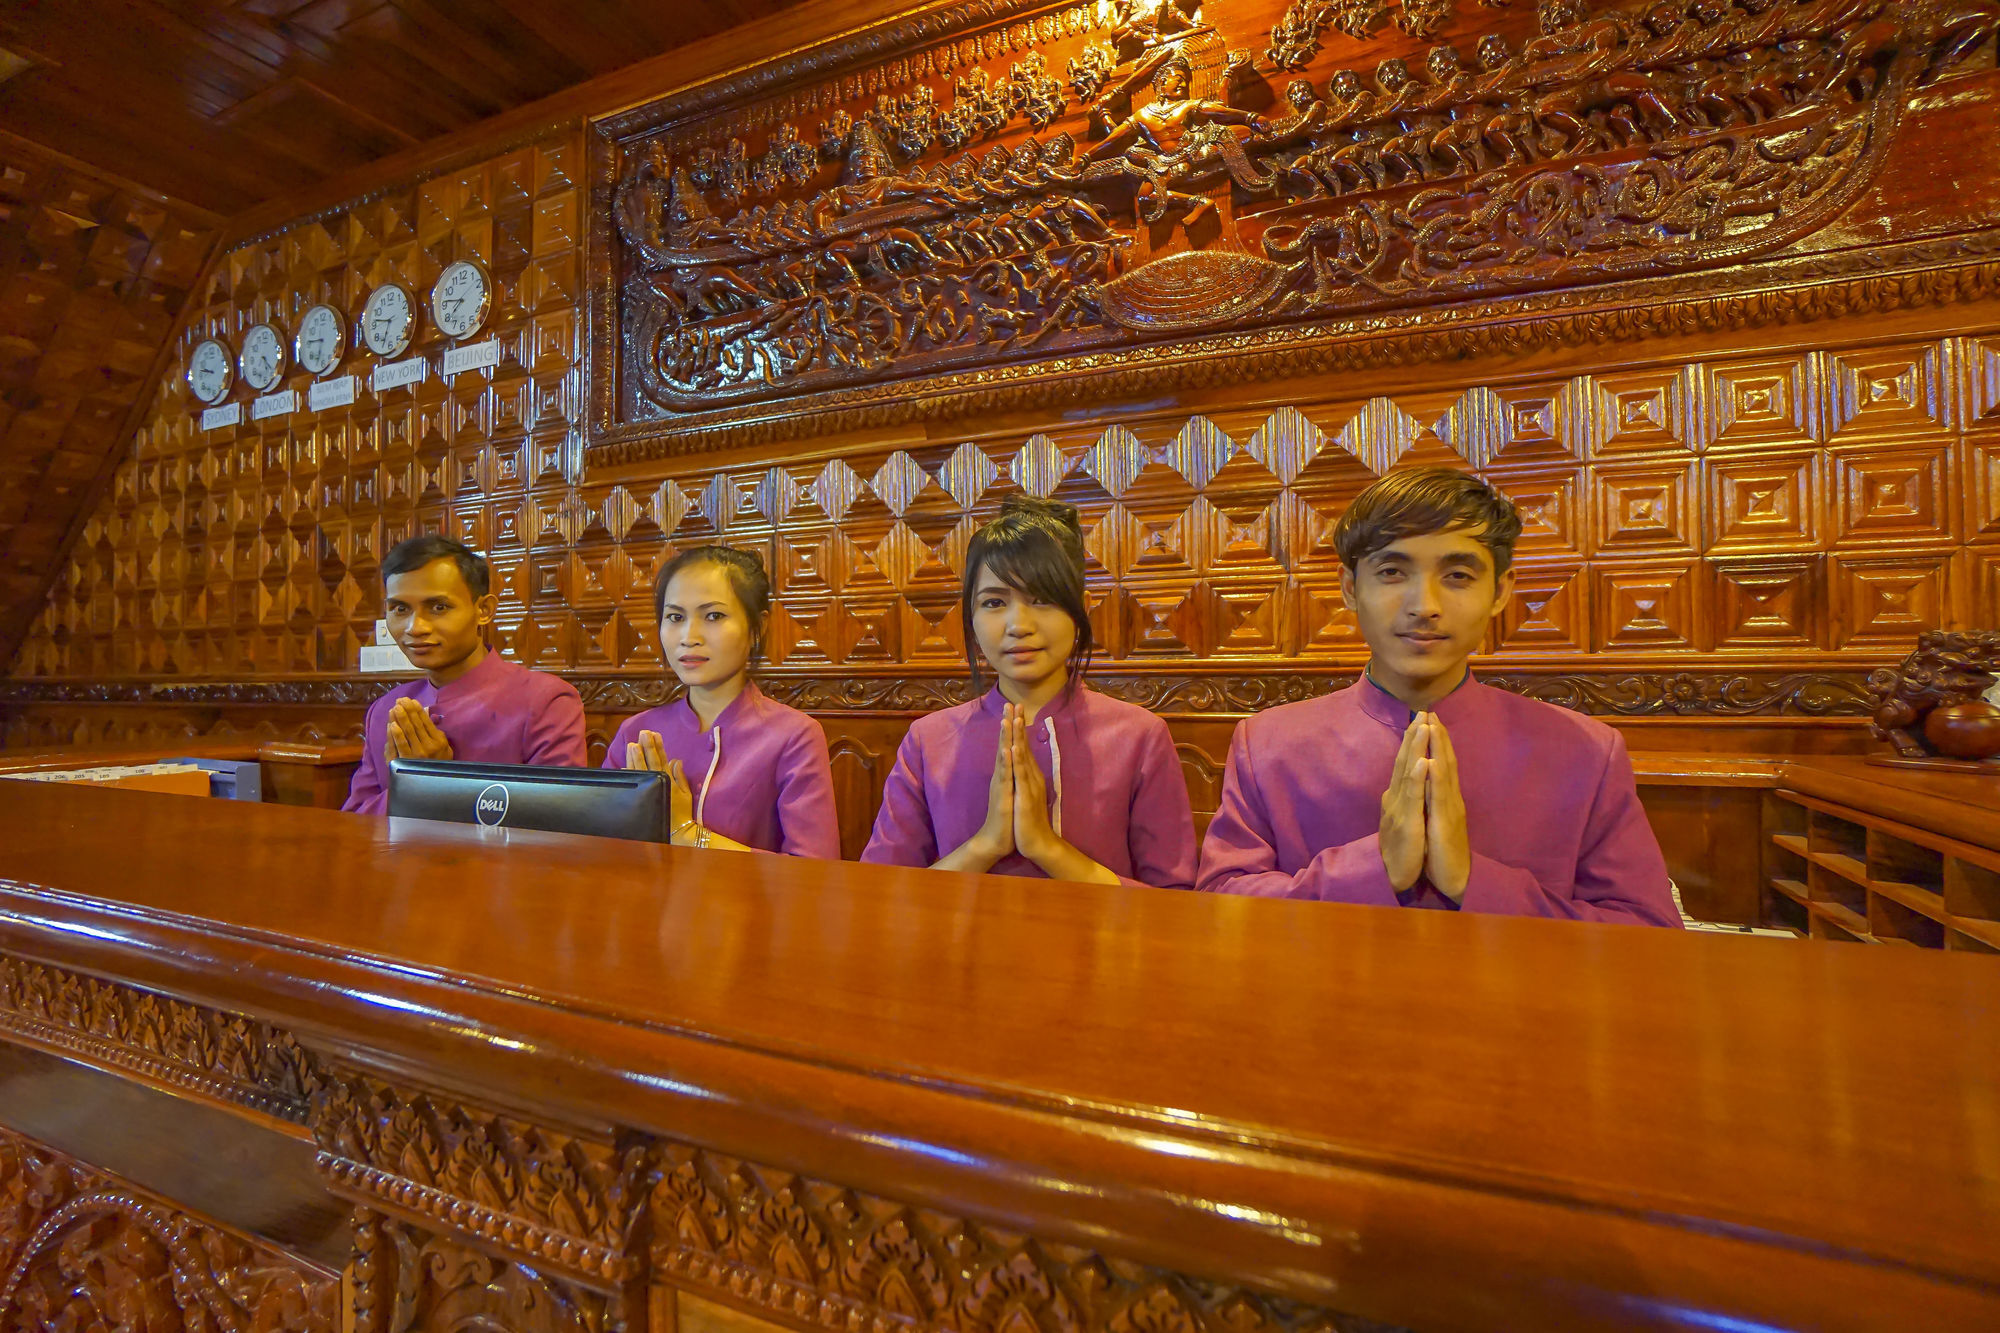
{"x":1175,"y":139}
{"x":1145,"y":34}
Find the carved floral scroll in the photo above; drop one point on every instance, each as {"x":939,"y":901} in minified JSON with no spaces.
{"x":997,"y":215}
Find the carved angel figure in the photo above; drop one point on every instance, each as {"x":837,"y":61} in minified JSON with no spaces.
{"x":1032,"y":93}
{"x":1421,"y":18}
{"x":1175,"y":139}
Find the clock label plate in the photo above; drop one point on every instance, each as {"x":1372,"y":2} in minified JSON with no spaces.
{"x":399,"y":373}
{"x":479,"y":356}
{"x":323,"y":394}
{"x":280,"y":404}
{"x":215,"y":418}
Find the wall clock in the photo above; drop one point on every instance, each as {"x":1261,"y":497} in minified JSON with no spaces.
{"x":321,"y":340}
{"x":262,"y":360}
{"x":461,"y":299}
{"x":389,"y":320}
{"x":211,"y":370}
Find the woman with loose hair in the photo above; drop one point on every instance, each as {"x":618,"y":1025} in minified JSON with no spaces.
{"x":766,"y":781}
{"x":1041,"y":775}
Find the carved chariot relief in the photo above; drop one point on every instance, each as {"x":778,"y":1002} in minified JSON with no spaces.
{"x":1153,"y":173}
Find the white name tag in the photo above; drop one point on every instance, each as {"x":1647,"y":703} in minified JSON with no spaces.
{"x":229,"y":414}
{"x":322,"y":394}
{"x":398,"y":374}
{"x":280,"y":404}
{"x":479,"y":356}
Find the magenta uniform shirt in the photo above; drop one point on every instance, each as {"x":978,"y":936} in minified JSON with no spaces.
{"x":1551,"y":809}
{"x":1124,"y":798}
{"x":496,"y":713}
{"x":760,"y":775}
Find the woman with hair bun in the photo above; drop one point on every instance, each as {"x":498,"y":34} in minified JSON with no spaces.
{"x":1040,"y":776}
{"x":771,"y":788}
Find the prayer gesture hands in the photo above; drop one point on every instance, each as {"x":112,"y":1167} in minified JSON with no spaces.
{"x":1423,"y":813}
{"x":995,"y":838}
{"x":650,"y":752}
{"x":412,"y":734}
{"x":1017,"y":815}
{"x":1034,"y":835}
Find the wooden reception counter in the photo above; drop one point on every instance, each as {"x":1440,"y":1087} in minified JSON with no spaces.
{"x":269,"y":1067}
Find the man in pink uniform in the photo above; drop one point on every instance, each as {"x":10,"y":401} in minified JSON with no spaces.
{"x":472,"y":704}
{"x":1418,"y":786}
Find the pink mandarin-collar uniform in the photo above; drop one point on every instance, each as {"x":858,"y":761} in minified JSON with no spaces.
{"x":1124,"y":799}
{"x":497,"y":713}
{"x":760,"y":775}
{"x":1551,"y":809}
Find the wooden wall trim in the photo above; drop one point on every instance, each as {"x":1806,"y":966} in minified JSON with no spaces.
{"x":1700,"y":693}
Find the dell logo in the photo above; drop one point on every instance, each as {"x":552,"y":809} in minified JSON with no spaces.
{"x":491,"y":806}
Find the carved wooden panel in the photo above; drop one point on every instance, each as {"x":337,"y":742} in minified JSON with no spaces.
{"x":80,"y":1249}
{"x":1026,"y":191}
{"x":253,"y":551}
{"x":93,"y":274}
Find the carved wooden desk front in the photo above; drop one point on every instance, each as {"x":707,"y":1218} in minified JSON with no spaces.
{"x":262,"y":1062}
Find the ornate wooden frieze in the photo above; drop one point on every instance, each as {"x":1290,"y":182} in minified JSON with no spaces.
{"x":558,"y":1200}
{"x":995,"y":215}
{"x":81,"y":1250}
{"x":444,"y":1187}
{"x":406,"y":1280}
{"x":220,"y":1055}
{"x":1719,"y":693}
{"x":823,"y":1256}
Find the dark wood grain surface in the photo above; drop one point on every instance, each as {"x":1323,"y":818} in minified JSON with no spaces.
{"x":1587,"y":1125}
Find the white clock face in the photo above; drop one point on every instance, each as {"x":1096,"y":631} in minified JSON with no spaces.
{"x":210,"y":371}
{"x":263,"y":358}
{"x":460,"y":299}
{"x":388,"y":321}
{"x":321,"y":341}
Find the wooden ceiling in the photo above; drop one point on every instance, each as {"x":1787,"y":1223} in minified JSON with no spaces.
{"x":134,"y":128}
{"x":226,"y":103}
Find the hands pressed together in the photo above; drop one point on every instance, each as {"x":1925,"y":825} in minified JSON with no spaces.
{"x":649,"y":752}
{"x":1423,"y":813}
{"x":1017,"y":815}
{"x":1017,"y":800}
{"x":412,"y":734}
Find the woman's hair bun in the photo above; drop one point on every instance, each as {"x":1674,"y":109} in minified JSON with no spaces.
{"x":1049,"y":511}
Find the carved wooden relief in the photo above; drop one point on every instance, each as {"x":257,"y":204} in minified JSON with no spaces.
{"x":816,"y":1255}
{"x":219,"y":1055}
{"x":555,"y":1199}
{"x":1081,"y":178}
{"x":82,"y":1250}
{"x":408,"y":1281}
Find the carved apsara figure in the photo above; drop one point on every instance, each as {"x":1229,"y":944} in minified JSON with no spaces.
{"x":1174,"y":141}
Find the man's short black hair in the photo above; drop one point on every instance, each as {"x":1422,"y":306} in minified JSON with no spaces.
{"x":1418,"y":501}
{"x":407,"y":557}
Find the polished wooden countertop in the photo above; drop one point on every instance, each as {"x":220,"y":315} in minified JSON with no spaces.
{"x":1446,"y":1121}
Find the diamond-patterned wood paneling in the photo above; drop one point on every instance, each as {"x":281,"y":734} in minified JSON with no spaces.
{"x":1770,"y":506}
{"x":93,"y":274}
